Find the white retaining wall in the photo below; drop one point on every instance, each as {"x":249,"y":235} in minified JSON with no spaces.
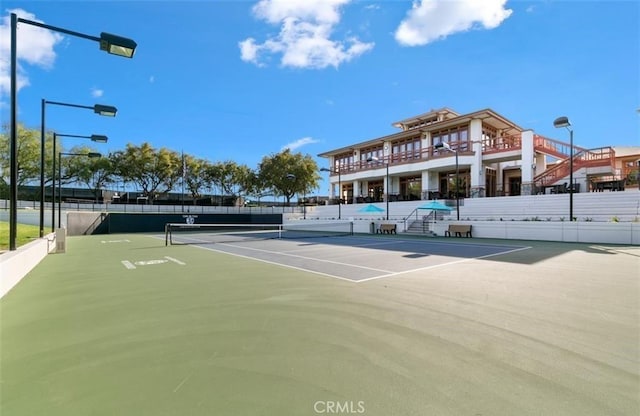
{"x":14,"y":265}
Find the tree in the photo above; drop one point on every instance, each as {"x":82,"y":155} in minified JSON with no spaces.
{"x":96,"y":173}
{"x":232,"y":178}
{"x":289,"y":173}
{"x":28,"y":157}
{"x":195,"y":176}
{"x":154,"y":171}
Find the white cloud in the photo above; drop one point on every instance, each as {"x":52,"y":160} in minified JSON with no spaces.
{"x":305,"y":39}
{"x":299,"y":143}
{"x":96,"y":92}
{"x":152,"y":79}
{"x":34,"y":47}
{"x":431,"y":20}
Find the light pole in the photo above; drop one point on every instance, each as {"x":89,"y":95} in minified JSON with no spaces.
{"x":331,"y":171}
{"x":94,"y":138}
{"x":103,"y":110}
{"x":292,"y":177}
{"x":60,"y":154}
{"x":446,"y":146}
{"x":112,"y":44}
{"x":376,"y":159}
{"x":559,"y":123}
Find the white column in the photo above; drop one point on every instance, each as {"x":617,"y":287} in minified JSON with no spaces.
{"x":476,"y":169}
{"x":527,"y":163}
{"x":356,"y":191}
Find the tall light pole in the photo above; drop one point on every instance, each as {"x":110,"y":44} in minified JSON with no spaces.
{"x":94,"y":138}
{"x":292,"y":177}
{"x":60,"y":154}
{"x":103,"y":110}
{"x":446,"y":146}
{"x":561,"y":122}
{"x":331,"y":171}
{"x":376,"y":159}
{"x":109,"y":43}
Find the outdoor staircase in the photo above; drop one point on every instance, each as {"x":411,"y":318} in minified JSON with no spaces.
{"x":421,"y":226}
{"x":582,"y":158}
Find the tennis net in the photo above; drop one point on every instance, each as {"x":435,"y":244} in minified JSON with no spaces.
{"x":181,"y":233}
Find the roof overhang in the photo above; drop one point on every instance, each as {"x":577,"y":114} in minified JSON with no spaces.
{"x":487,"y":116}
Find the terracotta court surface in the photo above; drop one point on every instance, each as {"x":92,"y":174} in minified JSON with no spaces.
{"x":364,"y":324}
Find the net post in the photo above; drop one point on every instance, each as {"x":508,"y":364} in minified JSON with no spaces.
{"x":166,"y":234}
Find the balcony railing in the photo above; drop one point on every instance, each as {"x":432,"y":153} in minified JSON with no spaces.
{"x":603,"y":156}
{"x":489,"y":146}
{"x":502,"y":144}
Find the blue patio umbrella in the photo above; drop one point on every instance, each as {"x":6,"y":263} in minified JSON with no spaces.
{"x":435,"y":206}
{"x":371,"y":209}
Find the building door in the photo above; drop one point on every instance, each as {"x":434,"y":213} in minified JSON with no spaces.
{"x":375,"y":191}
{"x":490,"y":182}
{"x":514,"y":185}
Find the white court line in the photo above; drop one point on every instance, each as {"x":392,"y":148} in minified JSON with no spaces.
{"x":279,"y":264}
{"x":339,"y":263}
{"x":292,"y":255}
{"x":175,"y":260}
{"x":443,"y":264}
{"x":389,"y":273}
{"x":128,"y":264}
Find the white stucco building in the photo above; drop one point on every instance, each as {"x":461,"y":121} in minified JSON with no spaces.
{"x":495,"y":157}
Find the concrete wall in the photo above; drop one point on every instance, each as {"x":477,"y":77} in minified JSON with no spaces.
{"x":577,"y":231}
{"x":14,"y":265}
{"x":82,"y":222}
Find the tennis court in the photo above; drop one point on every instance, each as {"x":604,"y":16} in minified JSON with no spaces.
{"x":355,"y":258}
{"x":124,"y":325}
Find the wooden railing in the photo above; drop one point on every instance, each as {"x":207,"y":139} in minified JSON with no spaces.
{"x":502,"y":144}
{"x":603,"y":156}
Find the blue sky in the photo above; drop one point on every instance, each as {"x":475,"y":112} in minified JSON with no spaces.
{"x":238,"y":80}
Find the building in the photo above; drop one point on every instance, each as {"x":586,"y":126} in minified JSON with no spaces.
{"x":480,"y":154}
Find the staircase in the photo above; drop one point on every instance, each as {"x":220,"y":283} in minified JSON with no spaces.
{"x":422,"y":226}
{"x":582,"y":158}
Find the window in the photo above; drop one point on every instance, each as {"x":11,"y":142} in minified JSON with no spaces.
{"x":406,"y":149}
{"x":456,"y":137}
{"x":343,"y":162}
{"x":369,"y":153}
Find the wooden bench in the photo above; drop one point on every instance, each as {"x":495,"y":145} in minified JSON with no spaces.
{"x":387,"y":229}
{"x":458,"y":230}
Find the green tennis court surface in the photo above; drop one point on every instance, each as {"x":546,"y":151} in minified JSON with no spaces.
{"x":354,"y":258}
{"x":122,"y":325}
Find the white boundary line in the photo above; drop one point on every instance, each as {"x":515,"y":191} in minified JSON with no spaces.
{"x":128,"y":264}
{"x":389,"y":273}
{"x":279,"y":264}
{"x":443,"y":264}
{"x":175,"y":260}
{"x":339,"y":263}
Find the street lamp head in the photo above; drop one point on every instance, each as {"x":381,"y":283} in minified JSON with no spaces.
{"x":117,"y":45}
{"x":290,"y":176}
{"x":93,"y":155}
{"x":325,"y":170}
{"x":99,"y":138}
{"x":373,"y":159}
{"x":442,"y":145}
{"x":561,"y":122}
{"x":105,"y":110}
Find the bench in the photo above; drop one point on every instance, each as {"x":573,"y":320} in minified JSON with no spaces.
{"x":387,"y":229}
{"x":458,"y":230}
